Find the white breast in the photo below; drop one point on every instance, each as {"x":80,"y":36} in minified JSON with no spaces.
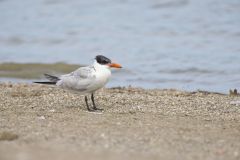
{"x":102,"y":74}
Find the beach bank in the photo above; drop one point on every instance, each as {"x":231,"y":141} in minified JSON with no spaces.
{"x":39,"y":122}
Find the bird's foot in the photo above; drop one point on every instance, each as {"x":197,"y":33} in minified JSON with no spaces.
{"x":90,"y":110}
{"x":97,"y":109}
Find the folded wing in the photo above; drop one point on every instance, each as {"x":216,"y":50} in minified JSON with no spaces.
{"x":78,"y":80}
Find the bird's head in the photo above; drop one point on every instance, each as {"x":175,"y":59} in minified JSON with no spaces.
{"x":104,"y":61}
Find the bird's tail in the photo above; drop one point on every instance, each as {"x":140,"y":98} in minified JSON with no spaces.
{"x":52,"y":80}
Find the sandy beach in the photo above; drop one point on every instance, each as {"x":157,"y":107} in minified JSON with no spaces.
{"x":40,"y":122}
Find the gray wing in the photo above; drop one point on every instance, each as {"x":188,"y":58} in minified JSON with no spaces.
{"x":78,"y":80}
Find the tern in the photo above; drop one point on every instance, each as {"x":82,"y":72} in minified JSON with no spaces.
{"x":85,"y":80}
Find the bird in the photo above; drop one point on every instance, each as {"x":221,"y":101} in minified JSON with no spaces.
{"x":85,"y":80}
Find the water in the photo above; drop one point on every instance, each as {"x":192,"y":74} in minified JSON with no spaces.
{"x":184,"y":44}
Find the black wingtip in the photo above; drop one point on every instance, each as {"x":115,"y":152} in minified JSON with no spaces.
{"x":48,"y":83}
{"x":51,"y":78}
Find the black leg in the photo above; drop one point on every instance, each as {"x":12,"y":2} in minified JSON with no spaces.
{"x":86,"y":100}
{"x":94,"y":105}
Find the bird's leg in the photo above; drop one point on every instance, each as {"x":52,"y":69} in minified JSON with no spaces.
{"x":86,"y":100}
{"x":94,"y":105}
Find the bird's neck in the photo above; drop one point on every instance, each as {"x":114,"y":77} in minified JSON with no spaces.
{"x":98,"y":66}
{"x":103,"y":72}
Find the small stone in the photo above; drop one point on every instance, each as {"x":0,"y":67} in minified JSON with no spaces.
{"x":41,"y":118}
{"x":52,"y":110}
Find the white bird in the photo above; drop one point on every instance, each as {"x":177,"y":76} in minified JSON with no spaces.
{"x":85,"y":80}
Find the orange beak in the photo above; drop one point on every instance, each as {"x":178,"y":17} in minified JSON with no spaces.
{"x":114,"y":65}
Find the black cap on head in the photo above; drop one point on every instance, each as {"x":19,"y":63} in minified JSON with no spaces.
{"x":102,"y":60}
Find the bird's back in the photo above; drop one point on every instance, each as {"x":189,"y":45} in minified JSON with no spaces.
{"x":78,"y":80}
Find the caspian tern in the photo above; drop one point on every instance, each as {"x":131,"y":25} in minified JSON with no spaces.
{"x":85,"y":80}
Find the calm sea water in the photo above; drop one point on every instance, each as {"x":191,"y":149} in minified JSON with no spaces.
{"x":184,"y":44}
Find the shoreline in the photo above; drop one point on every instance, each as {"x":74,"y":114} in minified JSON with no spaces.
{"x":26,"y":72}
{"x":137,"y":123}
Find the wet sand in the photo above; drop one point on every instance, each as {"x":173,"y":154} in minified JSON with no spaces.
{"x":38,"y":122}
